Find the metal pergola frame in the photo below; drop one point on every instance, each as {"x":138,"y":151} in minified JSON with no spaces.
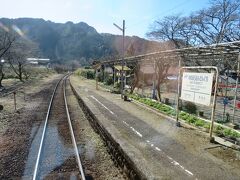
{"x":227,"y":54}
{"x":204,"y":54}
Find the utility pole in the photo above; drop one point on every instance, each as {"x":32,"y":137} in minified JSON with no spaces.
{"x":123,"y":54}
{"x":154,"y":80}
{"x":178,"y":92}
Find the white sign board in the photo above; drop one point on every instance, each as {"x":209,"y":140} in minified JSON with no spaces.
{"x":197,"y":87}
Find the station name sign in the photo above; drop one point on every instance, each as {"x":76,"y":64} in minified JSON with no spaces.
{"x":197,"y":87}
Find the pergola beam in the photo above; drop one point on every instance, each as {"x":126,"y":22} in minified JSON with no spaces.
{"x":228,"y":50}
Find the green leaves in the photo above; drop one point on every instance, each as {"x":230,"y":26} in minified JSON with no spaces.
{"x":87,"y":73}
{"x":189,"y":118}
{"x":157,"y":105}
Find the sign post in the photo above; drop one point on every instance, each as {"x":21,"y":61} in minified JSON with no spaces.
{"x":197,"y":88}
{"x":14,"y":99}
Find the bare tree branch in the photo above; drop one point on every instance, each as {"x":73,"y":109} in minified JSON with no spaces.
{"x":218,"y":23}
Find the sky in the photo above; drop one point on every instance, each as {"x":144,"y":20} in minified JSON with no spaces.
{"x":101,"y":14}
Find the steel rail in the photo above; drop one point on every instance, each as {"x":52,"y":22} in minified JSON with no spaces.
{"x":44,"y":130}
{"x":72,"y":133}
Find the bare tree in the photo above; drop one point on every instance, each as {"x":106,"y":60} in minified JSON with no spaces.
{"x":73,"y":65}
{"x":60,"y":68}
{"x":131,"y":50}
{"x":1,"y":73}
{"x":162,"y":68}
{"x":135,"y":77}
{"x":17,"y":57}
{"x":216,"y":24}
{"x":168,"y":29}
{"x":17,"y":61}
{"x":7,"y":39}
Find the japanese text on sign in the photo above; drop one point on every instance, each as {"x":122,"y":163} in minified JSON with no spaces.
{"x":197,"y":87}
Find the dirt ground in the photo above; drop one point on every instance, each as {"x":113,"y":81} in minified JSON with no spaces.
{"x":15,"y":126}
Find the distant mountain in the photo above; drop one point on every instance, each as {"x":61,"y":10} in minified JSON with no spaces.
{"x":133,"y":45}
{"x":62,"y":42}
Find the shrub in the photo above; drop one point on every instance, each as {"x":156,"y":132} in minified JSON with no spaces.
{"x":184,"y":115}
{"x":100,"y":77}
{"x":60,"y":68}
{"x":108,"y":80}
{"x":78,"y":72}
{"x":155,"y":105}
{"x":227,"y":132}
{"x":235,"y":134}
{"x":171,"y":112}
{"x":158,"y":106}
{"x":89,"y":74}
{"x":164,"y":109}
{"x":116,"y":90}
{"x":219,"y":130}
{"x":206,"y":126}
{"x":87,"y":67}
{"x":190,"y":108}
{"x":174,"y":113}
{"x":151,"y":103}
{"x":199,"y":123}
{"x":191,"y":119}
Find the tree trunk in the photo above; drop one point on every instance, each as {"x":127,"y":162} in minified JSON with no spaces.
{"x":159,"y":92}
{"x":1,"y":78}
{"x":135,"y":82}
{"x":20,"y":73}
{"x":134,"y":85}
{"x":1,"y":75}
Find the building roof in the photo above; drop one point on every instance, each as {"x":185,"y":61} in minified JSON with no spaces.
{"x":37,"y":59}
{"x":119,"y":68}
{"x":149,"y":69}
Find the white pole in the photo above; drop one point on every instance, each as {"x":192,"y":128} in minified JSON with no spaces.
{"x":236,"y":89}
{"x":214,"y":106}
{"x":123,"y":54}
{"x":178,"y":93}
{"x":154,"y":80}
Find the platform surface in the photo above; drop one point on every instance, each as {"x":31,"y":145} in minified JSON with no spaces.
{"x":159,"y":149}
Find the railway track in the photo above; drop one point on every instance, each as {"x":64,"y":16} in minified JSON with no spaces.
{"x":58,"y":156}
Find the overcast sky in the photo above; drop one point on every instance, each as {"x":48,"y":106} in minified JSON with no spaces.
{"x":101,"y":14}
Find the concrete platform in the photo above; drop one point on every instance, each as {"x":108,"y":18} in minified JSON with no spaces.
{"x":158,"y":148}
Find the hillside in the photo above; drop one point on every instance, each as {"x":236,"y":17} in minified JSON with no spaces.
{"x":62,"y":42}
